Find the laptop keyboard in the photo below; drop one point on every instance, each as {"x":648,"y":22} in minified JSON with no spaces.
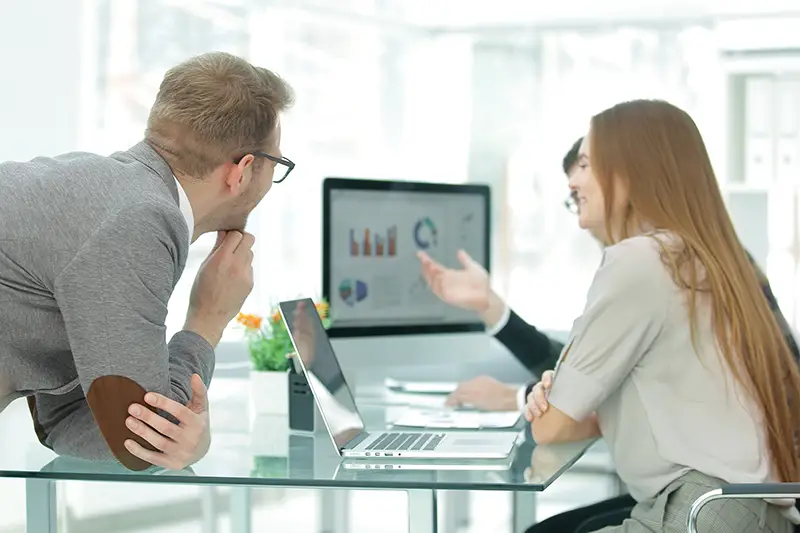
{"x":397,"y":442}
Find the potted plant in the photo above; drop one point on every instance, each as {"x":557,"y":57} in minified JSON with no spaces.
{"x":269,"y":346}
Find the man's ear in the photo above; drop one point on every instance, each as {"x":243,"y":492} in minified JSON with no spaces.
{"x":238,"y":174}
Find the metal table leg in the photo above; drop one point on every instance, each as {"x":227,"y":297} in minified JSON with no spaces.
{"x":40,"y":506}
{"x":523,"y":510}
{"x":209,"y":509}
{"x":241,"y":509}
{"x":423,"y":514}
{"x":334,"y":511}
{"x":456,"y":510}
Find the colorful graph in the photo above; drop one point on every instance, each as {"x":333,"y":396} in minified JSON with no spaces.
{"x":425,"y":233}
{"x":352,"y":291}
{"x":371,"y":244}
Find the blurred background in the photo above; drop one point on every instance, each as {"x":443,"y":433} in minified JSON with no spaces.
{"x":425,"y":90}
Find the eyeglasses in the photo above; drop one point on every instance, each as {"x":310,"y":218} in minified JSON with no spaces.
{"x":288,"y":163}
{"x":571,"y":203}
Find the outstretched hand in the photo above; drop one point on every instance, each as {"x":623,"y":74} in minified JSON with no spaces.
{"x":467,"y":287}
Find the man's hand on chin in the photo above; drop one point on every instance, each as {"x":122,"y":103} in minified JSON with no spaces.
{"x":177,"y":445}
{"x":224,"y":281}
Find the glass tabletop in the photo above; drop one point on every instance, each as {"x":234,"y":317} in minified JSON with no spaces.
{"x":262,"y":451}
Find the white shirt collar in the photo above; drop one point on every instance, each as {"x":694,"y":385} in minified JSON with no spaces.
{"x":186,"y":209}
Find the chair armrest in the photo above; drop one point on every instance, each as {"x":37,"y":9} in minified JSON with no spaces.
{"x":741,"y":491}
{"x":754,"y":490}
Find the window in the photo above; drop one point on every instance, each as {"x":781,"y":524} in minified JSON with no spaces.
{"x":551,"y":261}
{"x":370,"y":103}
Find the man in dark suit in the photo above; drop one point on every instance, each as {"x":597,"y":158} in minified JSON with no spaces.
{"x":469,"y":288}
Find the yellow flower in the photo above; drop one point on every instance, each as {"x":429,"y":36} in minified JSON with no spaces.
{"x":322,"y":309}
{"x":254,"y":322}
{"x":249,"y":321}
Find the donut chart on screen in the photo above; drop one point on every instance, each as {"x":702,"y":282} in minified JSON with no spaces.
{"x":425,"y":233}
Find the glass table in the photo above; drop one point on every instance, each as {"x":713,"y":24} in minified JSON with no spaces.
{"x":265,"y":454}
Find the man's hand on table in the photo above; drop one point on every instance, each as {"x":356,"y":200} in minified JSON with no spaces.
{"x":484,"y":393}
{"x":178,"y":445}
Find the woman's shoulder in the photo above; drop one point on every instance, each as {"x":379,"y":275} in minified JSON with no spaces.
{"x":632,"y":274}
{"x":640,"y":251}
{"x":635,"y":266}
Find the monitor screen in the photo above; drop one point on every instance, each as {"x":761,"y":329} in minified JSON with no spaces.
{"x":372,"y":231}
{"x":322,"y":370}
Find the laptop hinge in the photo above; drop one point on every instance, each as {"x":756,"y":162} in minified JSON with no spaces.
{"x":355,"y":441}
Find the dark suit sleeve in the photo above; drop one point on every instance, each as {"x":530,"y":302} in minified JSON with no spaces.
{"x":531,"y":347}
{"x":776,"y":310}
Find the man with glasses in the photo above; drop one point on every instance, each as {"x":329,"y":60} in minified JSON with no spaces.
{"x":91,"y":248}
{"x":469,"y":288}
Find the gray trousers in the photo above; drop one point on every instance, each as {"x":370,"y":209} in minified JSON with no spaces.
{"x":669,"y":510}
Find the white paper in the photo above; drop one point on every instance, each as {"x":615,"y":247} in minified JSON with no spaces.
{"x":449,"y":418}
{"x":431,"y":401}
{"x":421,"y":387}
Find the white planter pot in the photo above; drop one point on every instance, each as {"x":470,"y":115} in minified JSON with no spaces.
{"x":269,"y":393}
{"x":269,"y":436}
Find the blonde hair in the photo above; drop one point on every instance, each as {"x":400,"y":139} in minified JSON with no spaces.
{"x":213,"y":108}
{"x":654,"y":151}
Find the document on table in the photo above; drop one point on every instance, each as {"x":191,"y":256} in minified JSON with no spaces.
{"x":420,"y":387}
{"x":456,"y":419}
{"x":429,"y":401}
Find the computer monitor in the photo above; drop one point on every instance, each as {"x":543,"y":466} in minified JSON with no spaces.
{"x":371,"y":232}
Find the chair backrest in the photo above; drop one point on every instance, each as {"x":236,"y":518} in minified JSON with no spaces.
{"x":743,"y":491}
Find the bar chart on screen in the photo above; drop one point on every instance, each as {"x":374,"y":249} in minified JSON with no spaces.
{"x":369,"y":243}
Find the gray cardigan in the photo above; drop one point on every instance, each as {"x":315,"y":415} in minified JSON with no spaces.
{"x":91,"y":248}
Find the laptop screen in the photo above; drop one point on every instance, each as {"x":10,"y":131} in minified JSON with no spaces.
{"x":318,"y":360}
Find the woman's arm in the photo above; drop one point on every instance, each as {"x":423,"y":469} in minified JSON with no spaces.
{"x":554,"y":426}
{"x":625,"y":311}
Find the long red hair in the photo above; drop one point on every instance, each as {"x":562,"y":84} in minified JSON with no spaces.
{"x":654,"y":151}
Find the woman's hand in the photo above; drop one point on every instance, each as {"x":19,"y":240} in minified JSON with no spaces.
{"x":537,"y":403}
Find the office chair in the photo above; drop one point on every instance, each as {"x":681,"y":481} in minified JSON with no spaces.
{"x":742,"y":491}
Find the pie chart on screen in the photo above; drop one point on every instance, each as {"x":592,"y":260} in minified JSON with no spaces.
{"x":352,"y":291}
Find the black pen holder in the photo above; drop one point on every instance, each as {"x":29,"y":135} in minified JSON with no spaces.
{"x":301,"y":403}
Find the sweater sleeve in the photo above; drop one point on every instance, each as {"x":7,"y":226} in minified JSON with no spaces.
{"x":113,"y":298}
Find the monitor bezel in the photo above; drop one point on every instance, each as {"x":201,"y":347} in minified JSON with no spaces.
{"x":334,"y":183}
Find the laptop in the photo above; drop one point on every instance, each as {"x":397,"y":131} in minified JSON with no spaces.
{"x":332,"y":394}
